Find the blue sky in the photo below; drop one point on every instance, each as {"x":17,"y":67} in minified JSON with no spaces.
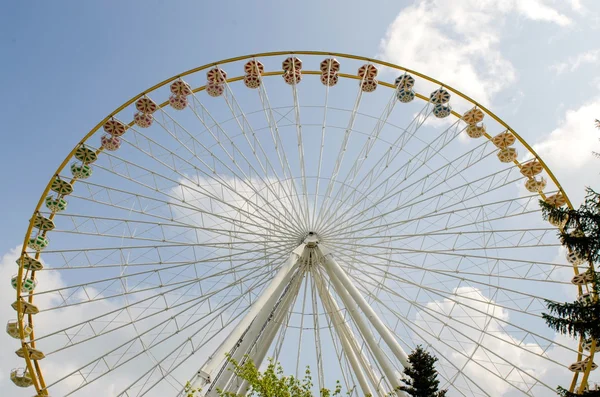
{"x":68,"y":64}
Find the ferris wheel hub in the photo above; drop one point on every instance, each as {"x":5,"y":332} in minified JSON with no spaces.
{"x":312,"y":240}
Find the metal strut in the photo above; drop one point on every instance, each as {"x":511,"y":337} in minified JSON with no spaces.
{"x":253,"y":336}
{"x":257,"y":314}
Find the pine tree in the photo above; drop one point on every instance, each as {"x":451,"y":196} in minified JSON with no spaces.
{"x":423,"y":380}
{"x":580,"y":234}
{"x":576,"y":319}
{"x":581,"y":230}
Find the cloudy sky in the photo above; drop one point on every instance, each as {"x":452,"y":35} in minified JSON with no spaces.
{"x":66,"y":65}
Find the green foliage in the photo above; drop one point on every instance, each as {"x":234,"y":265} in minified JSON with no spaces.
{"x":273,"y":383}
{"x":576,"y":319}
{"x":565,"y":393}
{"x":581,"y":233}
{"x":189,"y":391}
{"x":423,"y":380}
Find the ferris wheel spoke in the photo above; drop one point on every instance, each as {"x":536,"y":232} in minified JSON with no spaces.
{"x":422,"y":245}
{"x":209,"y":245}
{"x":409,"y":167}
{"x":370,"y":142}
{"x":302,"y":165}
{"x":453,"y":297}
{"x":497,"y":356}
{"x":120,"y":362}
{"x":215,"y":315}
{"x":199,"y":111}
{"x":455,"y":240}
{"x":246,"y":129}
{"x":441,"y":312}
{"x":430,"y":182}
{"x":417,"y":224}
{"x":463,"y":249}
{"x":167,"y":230}
{"x":382,"y":164}
{"x":149,"y":206}
{"x":493,"y":272}
{"x":244,"y":125}
{"x":157,"y":232}
{"x":103,"y":324}
{"x":314,"y":221}
{"x":141,"y":264}
{"x":195,"y":187}
{"x":394,"y":149}
{"x":443,"y":319}
{"x":469,"y":281}
{"x":410,"y":131}
{"x":340,"y":155}
{"x":454,"y":263}
{"x":432,"y":339}
{"x":278,"y":146}
{"x":457,"y":195}
{"x":72,"y":331}
{"x":144,"y":276}
{"x":503,"y":234}
{"x":274,"y":130}
{"x":203,"y":193}
{"x":147,"y":254}
{"x":167,"y":372}
{"x":503,"y":208}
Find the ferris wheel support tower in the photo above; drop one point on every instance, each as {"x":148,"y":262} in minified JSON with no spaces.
{"x":253,"y":336}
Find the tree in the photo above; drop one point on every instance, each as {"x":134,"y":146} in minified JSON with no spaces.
{"x":423,"y":380}
{"x":581,"y":227}
{"x":272,"y":382}
{"x":189,"y":391}
{"x":590,"y":393}
{"x":580,"y":234}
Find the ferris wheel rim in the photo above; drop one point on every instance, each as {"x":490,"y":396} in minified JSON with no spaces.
{"x":32,"y":365}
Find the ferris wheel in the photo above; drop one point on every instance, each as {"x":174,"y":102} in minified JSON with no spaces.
{"x":320,"y":209}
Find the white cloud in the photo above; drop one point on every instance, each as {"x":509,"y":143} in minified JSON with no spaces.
{"x":260,"y":200}
{"x":574,"y":63}
{"x":494,"y":339}
{"x":45,"y":322}
{"x":576,"y":5}
{"x":568,"y":150}
{"x":64,"y":362}
{"x":538,"y":11}
{"x":458,"y":42}
{"x":272,"y":195}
